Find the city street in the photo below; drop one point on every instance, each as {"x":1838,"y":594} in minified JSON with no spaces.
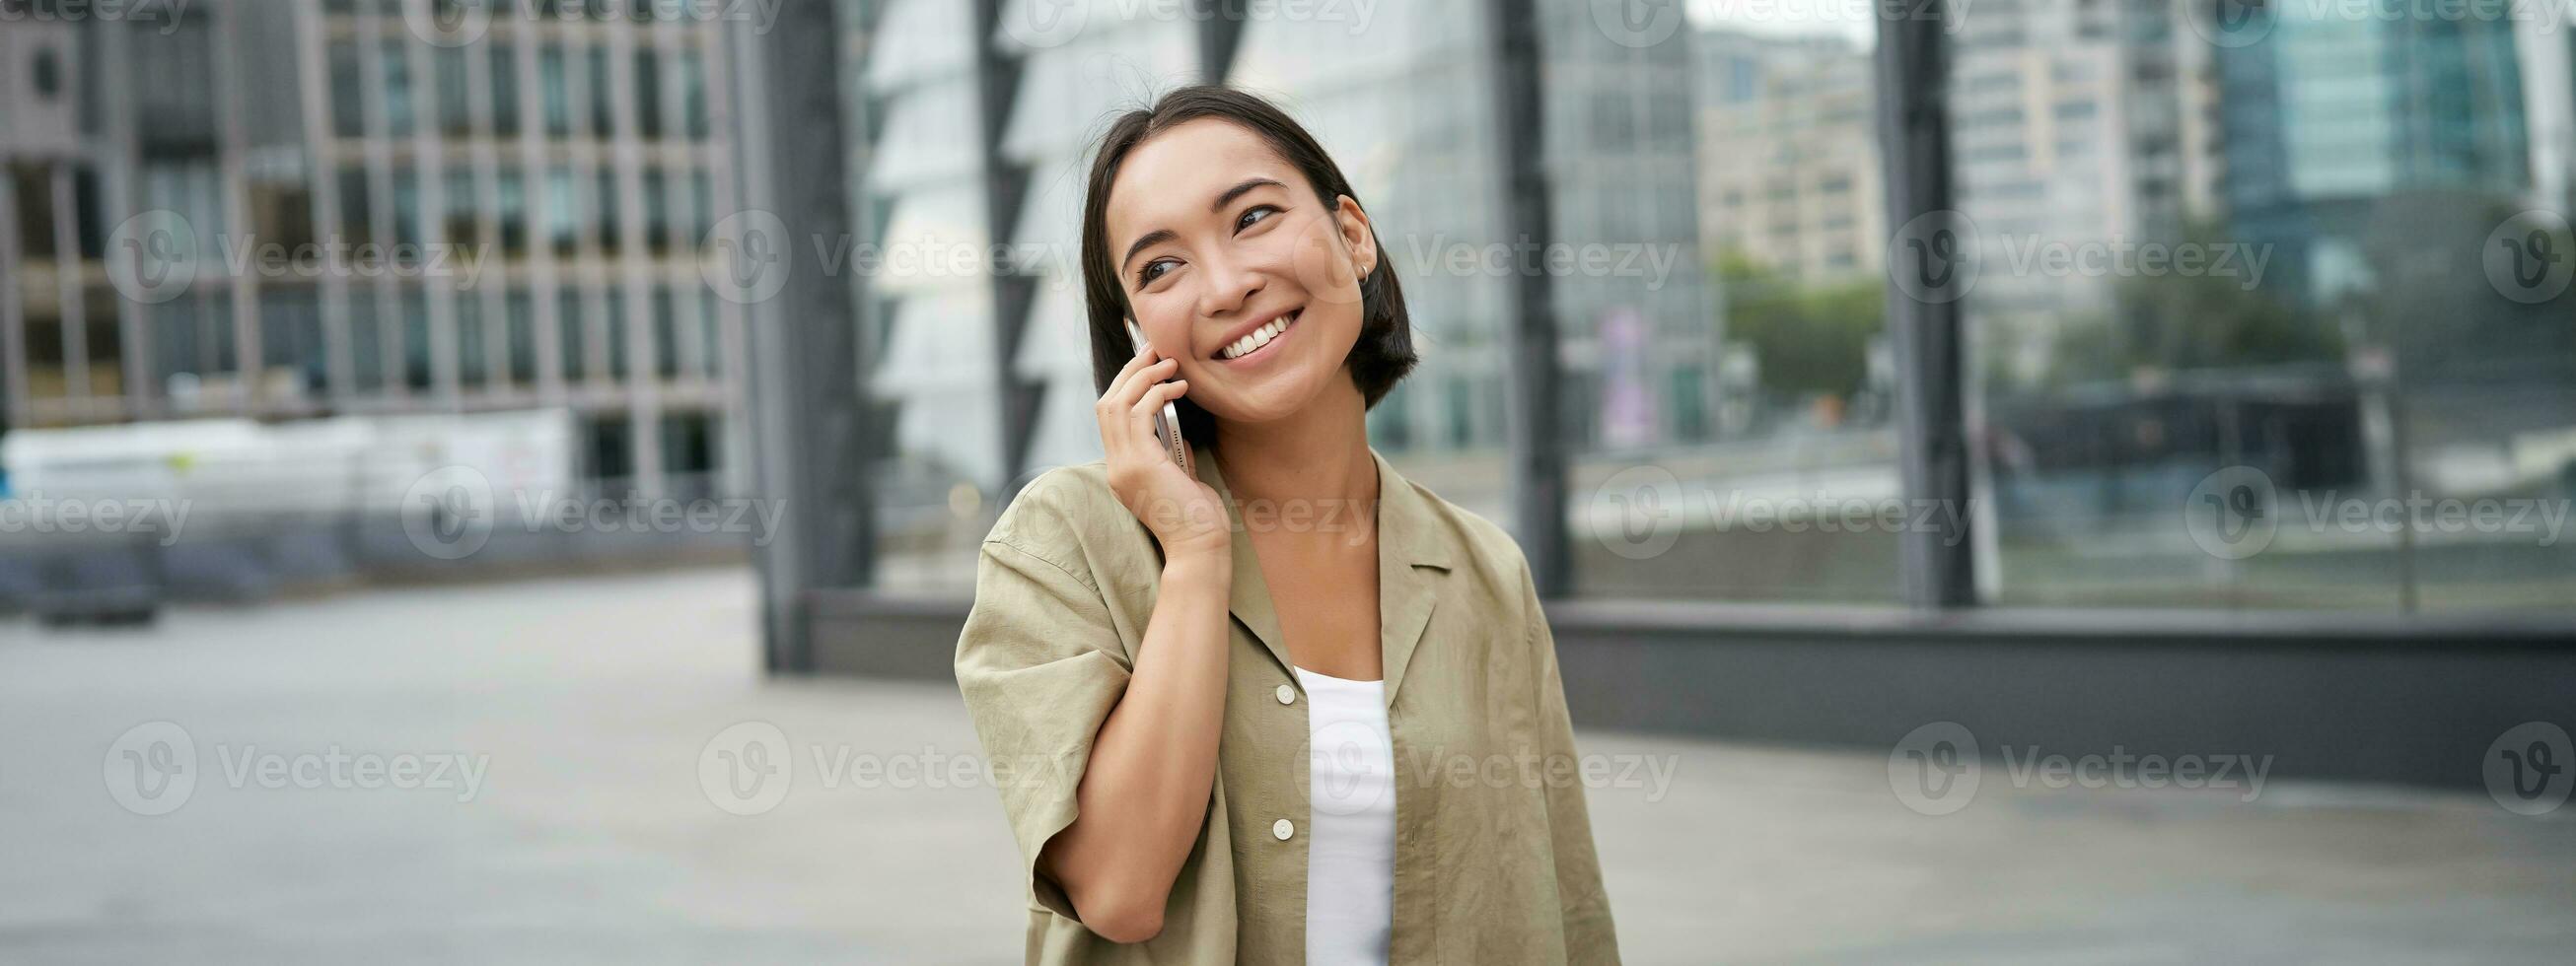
{"x":498,"y":773}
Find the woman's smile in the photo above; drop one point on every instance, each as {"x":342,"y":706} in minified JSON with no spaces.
{"x":1257,"y":347}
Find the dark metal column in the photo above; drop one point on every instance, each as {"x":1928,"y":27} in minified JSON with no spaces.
{"x":813,"y":444}
{"x":1220,"y":35}
{"x":1531,"y":413}
{"x":1014,"y":287}
{"x":1936,"y":565}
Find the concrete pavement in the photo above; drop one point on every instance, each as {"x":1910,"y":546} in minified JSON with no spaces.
{"x":541,"y":772}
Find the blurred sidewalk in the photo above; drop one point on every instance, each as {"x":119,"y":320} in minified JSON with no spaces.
{"x":593,"y":836}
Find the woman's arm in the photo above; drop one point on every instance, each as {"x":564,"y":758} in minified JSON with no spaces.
{"x":1145,"y":792}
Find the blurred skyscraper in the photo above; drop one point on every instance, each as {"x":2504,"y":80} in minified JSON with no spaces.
{"x":2075,"y":123}
{"x":1789,"y":166}
{"x":978,"y":119}
{"x":377,"y":207}
{"x":2329,"y":117}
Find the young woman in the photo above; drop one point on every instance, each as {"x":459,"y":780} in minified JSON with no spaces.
{"x":1285,"y":707}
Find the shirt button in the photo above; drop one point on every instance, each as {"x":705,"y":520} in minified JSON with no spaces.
{"x":1283,"y":829}
{"x":1287,"y":695}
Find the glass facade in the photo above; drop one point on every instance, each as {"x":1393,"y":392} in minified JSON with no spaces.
{"x":438,"y":254}
{"x":2327,"y":388}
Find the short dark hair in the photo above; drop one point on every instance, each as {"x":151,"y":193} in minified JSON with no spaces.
{"x":1384,"y":352}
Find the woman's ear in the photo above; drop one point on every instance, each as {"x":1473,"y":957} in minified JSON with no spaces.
{"x":1358,"y":234}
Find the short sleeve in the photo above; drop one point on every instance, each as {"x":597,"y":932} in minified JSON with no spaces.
{"x":1589,"y":936}
{"x":1040,"y":669}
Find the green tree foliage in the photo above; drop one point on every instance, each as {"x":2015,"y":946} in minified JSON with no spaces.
{"x":1809,"y":339}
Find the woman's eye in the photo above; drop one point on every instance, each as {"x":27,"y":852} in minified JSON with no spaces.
{"x":1147,"y":274}
{"x":1247,"y":219}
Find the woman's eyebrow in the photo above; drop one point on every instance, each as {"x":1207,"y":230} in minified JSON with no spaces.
{"x":1161,"y":235}
{"x":1239,"y":191}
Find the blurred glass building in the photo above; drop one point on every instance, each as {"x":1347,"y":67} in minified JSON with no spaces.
{"x":374,"y":208}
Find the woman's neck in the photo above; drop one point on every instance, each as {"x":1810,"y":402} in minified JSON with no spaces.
{"x":1319,"y":454}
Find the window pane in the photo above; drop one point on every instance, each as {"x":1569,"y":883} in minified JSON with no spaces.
{"x":2258,"y":323}
{"x":1720,"y":306}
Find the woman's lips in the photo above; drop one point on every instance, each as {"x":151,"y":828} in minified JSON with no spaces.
{"x":1259,"y":354}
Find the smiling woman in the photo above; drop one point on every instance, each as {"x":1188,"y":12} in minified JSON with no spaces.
{"x":1252,"y":720}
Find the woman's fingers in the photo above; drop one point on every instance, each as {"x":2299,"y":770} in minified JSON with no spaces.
{"x":1158,"y":394}
{"x":1124,"y":393}
{"x":1142,"y":358}
{"x":1120,"y":430}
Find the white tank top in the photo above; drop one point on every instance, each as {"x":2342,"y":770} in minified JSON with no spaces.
{"x":1350,"y":844}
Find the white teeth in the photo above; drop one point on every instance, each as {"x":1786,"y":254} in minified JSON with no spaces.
{"x":1258,"y":337}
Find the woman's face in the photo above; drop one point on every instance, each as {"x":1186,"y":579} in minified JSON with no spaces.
{"x":1219,"y":243}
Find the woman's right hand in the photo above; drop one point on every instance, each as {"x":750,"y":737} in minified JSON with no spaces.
{"x":1183,"y":513}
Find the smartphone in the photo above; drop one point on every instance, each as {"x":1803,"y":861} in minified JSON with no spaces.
{"x":1167,"y":424}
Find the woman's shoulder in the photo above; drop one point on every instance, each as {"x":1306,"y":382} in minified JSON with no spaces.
{"x":1061,"y":511}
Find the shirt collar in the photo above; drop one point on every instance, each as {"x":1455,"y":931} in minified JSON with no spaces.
{"x":1412,"y":556}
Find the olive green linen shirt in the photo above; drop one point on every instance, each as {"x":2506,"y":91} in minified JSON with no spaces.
{"x":1494,"y":860}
